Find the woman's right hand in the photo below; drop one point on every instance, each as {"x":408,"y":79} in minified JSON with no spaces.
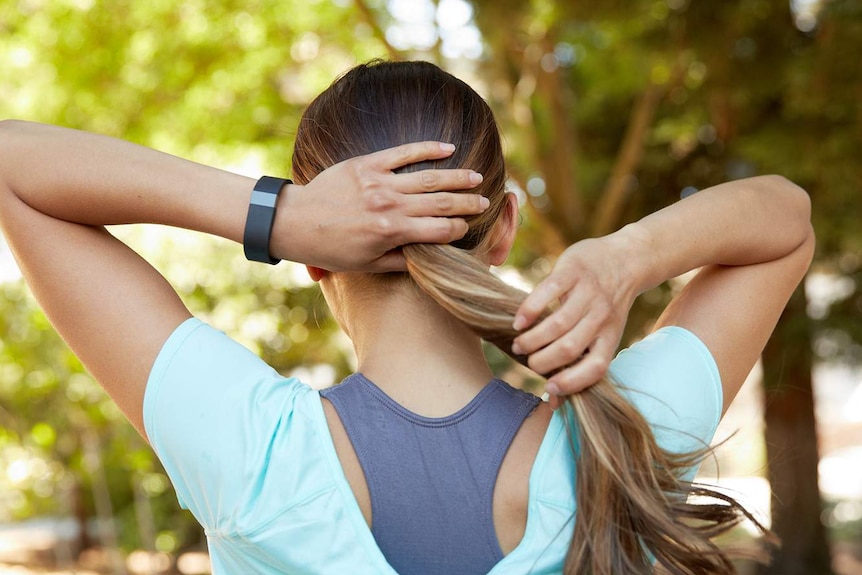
{"x":595,"y":285}
{"x":354,"y":215}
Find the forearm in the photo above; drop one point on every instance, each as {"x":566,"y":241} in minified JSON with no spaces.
{"x":58,"y":187}
{"x":737,"y":223}
{"x":729,"y":228}
{"x":97,"y":180}
{"x":351,"y":216}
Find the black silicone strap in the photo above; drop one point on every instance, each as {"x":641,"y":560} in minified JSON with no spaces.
{"x":261,"y":215}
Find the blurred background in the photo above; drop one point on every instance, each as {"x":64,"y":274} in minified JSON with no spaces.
{"x":610,"y":110}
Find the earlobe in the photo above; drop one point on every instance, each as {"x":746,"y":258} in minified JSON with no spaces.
{"x":315,"y":273}
{"x":505,"y":231}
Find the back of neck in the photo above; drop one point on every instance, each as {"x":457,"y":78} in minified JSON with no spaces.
{"x":418,"y":354}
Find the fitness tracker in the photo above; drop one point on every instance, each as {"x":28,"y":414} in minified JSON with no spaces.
{"x":261,"y":214}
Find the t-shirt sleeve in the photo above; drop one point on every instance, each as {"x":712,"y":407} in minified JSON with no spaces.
{"x":673,"y":380}
{"x":212,"y":412}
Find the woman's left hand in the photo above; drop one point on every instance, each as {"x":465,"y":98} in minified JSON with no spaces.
{"x":576,"y":342}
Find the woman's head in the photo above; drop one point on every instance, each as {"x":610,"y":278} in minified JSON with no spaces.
{"x":383,"y":104}
{"x":632,"y":506}
{"x":379,"y":105}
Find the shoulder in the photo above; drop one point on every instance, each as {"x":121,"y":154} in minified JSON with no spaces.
{"x":201,"y":370}
{"x":673,"y":380}
{"x":214,"y":412}
{"x":671,"y":346}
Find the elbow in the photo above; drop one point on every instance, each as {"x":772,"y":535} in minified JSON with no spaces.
{"x":804,"y":252}
{"x":789,"y":204}
{"x":10,"y":128}
{"x":798,"y":200}
{"x":810,"y":242}
{"x":12,"y":137}
{"x":7,"y":126}
{"x":13,"y":145}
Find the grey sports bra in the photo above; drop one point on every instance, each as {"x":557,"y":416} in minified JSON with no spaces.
{"x":431,"y":480}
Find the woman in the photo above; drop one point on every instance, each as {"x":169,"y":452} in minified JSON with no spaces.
{"x":416,"y":464}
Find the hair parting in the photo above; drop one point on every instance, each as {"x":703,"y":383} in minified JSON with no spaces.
{"x":633,"y":508}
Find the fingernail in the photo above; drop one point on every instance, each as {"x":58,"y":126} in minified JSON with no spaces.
{"x":447,"y":147}
{"x":519,"y":323}
{"x":476,"y":178}
{"x":484,"y":203}
{"x":552,"y":388}
{"x":516,"y":349}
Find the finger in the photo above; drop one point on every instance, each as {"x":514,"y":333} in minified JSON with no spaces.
{"x":430,"y":230}
{"x":445,"y":204}
{"x":568,"y":349}
{"x":549,"y":290}
{"x":586,"y":372}
{"x":555,"y":325}
{"x":436,"y":180}
{"x":391,"y":261}
{"x":400,"y":156}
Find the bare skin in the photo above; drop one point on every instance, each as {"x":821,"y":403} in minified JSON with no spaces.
{"x":752,"y":240}
{"x":58,"y":187}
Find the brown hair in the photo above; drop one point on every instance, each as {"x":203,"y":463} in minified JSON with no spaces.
{"x":632,"y":505}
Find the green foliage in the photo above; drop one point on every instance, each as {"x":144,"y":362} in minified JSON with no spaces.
{"x":740,"y":91}
{"x":217,"y":82}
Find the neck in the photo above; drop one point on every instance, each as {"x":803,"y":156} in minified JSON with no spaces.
{"x":417,"y":353}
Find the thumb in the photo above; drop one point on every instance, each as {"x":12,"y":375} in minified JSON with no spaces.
{"x":391,"y":261}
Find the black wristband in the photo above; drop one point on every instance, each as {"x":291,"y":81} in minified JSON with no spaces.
{"x":261,"y":215}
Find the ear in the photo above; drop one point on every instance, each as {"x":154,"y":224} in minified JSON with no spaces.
{"x":316,"y":274}
{"x":504,"y":232}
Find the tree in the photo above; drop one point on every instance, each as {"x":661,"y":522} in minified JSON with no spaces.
{"x":609,"y":111}
{"x":662,"y":96}
{"x":111,"y":67}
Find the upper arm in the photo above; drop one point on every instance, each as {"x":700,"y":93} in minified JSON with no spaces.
{"x":734,"y":309}
{"x":110,"y":306}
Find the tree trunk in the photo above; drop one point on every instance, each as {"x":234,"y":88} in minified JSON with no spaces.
{"x":791,"y":447}
{"x":82,"y":516}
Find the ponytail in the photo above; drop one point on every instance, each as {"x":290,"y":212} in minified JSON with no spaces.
{"x":632,"y":506}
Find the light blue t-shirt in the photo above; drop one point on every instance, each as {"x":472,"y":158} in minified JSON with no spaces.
{"x":250,"y":454}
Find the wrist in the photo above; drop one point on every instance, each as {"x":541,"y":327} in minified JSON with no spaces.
{"x":638,"y":257}
{"x":260,"y":221}
{"x":295,"y":232}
